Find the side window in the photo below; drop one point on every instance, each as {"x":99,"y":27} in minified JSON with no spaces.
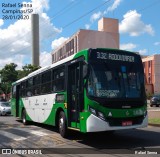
{"x":23,"y":89}
{"x":14,"y":91}
{"x":29,"y":87}
{"x":58,"y":80}
{"x":37,"y":85}
{"x":46,"y":82}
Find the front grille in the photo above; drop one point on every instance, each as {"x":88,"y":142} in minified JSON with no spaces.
{"x":120,"y":105}
{"x":119,"y":121}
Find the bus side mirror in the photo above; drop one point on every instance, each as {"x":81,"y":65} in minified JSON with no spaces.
{"x":85,"y":70}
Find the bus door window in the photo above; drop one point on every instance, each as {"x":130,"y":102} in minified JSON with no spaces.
{"x":74,"y":91}
{"x":16,"y":92}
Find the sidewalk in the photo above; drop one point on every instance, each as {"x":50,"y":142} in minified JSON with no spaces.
{"x":152,"y":115}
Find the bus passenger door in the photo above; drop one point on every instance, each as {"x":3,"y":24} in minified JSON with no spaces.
{"x":74,"y":93}
{"x":17,"y":100}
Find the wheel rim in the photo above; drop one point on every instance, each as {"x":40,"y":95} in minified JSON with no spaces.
{"x":24,"y":118}
{"x":61,"y":122}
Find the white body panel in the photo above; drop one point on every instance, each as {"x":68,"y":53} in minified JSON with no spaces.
{"x":95,"y":124}
{"x":39,"y":107}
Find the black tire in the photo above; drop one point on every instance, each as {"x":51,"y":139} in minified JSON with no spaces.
{"x":24,"y":120}
{"x":62,"y":124}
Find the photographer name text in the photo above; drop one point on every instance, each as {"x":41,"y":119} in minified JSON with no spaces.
{"x":16,"y":11}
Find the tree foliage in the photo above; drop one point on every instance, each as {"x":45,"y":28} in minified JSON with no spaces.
{"x":9,"y":74}
{"x":27,"y":69}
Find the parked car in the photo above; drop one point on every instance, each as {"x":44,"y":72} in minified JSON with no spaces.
{"x":155,"y":100}
{"x":5,"y":108}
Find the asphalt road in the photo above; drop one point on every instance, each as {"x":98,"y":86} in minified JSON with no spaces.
{"x":47,"y":140}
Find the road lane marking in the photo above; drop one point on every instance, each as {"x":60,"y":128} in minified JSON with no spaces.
{"x":12,"y":136}
{"x":38,"y":133}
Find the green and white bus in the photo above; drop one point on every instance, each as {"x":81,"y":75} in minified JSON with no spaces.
{"x":93,"y":90}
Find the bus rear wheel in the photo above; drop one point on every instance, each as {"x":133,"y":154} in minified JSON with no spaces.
{"x":24,"y":120}
{"x":62,"y":124}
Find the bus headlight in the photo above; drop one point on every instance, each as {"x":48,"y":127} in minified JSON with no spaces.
{"x":101,"y":115}
{"x":97,"y":113}
{"x":93,"y":111}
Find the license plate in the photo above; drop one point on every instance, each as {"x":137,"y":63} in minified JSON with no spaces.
{"x":126,"y":123}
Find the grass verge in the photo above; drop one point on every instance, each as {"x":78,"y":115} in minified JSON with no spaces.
{"x":154,"y":121}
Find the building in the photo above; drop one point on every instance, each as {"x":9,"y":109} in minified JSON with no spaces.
{"x":107,"y":35}
{"x":152,"y":73}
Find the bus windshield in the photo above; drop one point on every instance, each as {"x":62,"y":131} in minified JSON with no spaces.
{"x":115,"y":80}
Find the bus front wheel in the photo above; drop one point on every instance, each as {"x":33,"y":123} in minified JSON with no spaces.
{"x":62,"y":124}
{"x":24,"y":120}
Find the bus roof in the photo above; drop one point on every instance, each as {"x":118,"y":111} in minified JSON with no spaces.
{"x":46,"y":68}
{"x":63,"y":61}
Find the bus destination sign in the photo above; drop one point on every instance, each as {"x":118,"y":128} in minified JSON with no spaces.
{"x":112,"y":56}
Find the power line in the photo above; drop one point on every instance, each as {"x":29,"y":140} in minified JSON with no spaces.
{"x":144,"y":8}
{"x":65,"y":9}
{"x":79,"y":18}
{"x":72,"y":21}
{"x":82,"y":16}
{"x":60,"y":12}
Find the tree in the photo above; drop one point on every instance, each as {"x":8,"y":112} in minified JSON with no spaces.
{"x":27,"y":69}
{"x":8,"y":75}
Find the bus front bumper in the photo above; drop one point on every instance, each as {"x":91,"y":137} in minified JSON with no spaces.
{"x":95,"y":124}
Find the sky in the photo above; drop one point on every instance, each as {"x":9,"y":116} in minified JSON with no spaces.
{"x":139,"y":25}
